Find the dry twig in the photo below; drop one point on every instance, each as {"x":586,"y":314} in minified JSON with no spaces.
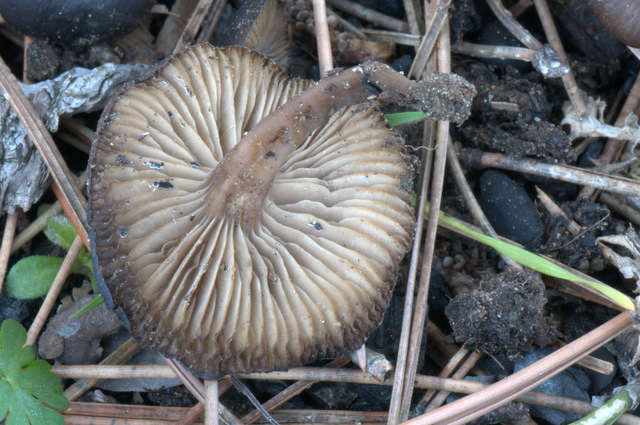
{"x":54,"y":291}
{"x":564,"y":173}
{"x":121,"y":354}
{"x":380,"y":19}
{"x":508,"y":389}
{"x":420,"y":314}
{"x":62,"y":176}
{"x":325,"y":57}
{"x":211,"y":406}
{"x":7,"y":241}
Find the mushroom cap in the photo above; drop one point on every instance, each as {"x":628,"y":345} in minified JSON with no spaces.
{"x":309,"y":278}
{"x":261,"y":26}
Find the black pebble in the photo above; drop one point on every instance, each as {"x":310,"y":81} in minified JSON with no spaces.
{"x":74,"y":22}
{"x":592,"y":152}
{"x":509,"y":209}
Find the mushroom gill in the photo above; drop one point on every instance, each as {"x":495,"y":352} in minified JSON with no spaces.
{"x":236,"y":247}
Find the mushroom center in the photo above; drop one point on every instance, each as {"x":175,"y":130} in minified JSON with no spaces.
{"x":246,"y":173}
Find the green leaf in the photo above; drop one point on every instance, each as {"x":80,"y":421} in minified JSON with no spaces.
{"x":60,"y":231}
{"x":32,"y":276}
{"x":400,"y":118}
{"x":90,"y":306}
{"x":538,"y":263}
{"x":28,"y":386}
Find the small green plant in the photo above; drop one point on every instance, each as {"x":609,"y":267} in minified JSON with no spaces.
{"x":28,"y":388}
{"x":536,"y":262}
{"x":514,"y":252}
{"x":612,"y":409}
{"x":32,"y":276}
{"x":400,"y":118}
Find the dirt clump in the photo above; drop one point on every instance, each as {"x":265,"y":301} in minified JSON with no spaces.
{"x":504,"y":315}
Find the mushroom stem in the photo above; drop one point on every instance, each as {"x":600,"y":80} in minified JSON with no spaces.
{"x":247,"y":171}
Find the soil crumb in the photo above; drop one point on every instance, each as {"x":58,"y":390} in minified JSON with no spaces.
{"x":445,"y":97}
{"x":511,"y":114}
{"x":577,"y":250}
{"x":504,"y":315}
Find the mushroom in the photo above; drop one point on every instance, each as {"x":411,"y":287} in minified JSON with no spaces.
{"x":261,"y":26}
{"x":243,"y":224}
{"x":620,"y":18}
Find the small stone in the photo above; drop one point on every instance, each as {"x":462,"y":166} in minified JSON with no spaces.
{"x":74,"y":22}
{"x":509,"y":209}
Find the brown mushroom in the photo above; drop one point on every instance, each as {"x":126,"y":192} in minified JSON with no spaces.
{"x":620,"y":18}
{"x":261,"y":26}
{"x":242,"y":232}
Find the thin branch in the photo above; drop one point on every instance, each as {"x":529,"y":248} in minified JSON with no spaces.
{"x":421,"y":306}
{"x":459,"y":374}
{"x":392,"y":37}
{"x":564,"y":173}
{"x":520,"y":7}
{"x":68,"y":210}
{"x":590,"y":362}
{"x":493,"y":52}
{"x":40,"y":136}
{"x":192,"y":415}
{"x":211,"y":21}
{"x":325,"y":58}
{"x":434,"y":28}
{"x":513,"y":26}
{"x":40,"y":223}
{"x":403,"y":344}
{"x":413,"y":11}
{"x":121,"y":354}
{"x":54,"y":291}
{"x":211,"y":406}
{"x":242,"y":389}
{"x":508,"y":389}
{"x":550,"y":30}
{"x":447,"y":371}
{"x":113,"y":371}
{"x":7,"y":241}
{"x":289,"y":392}
{"x":621,"y":206}
{"x":380,"y":19}
{"x":420,"y":314}
{"x":470,"y":200}
{"x":193,"y":384}
{"x":193,"y":26}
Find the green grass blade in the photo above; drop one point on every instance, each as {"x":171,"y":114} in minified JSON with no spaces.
{"x":400,"y":118}
{"x":89,"y":306}
{"x":538,"y":263}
